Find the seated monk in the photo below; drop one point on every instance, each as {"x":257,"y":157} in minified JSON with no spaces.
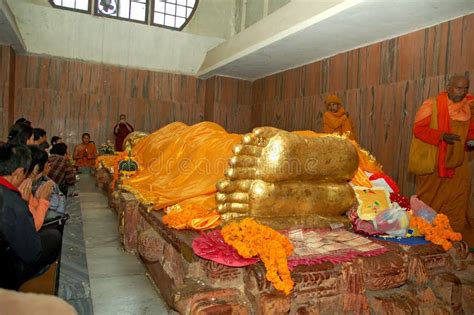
{"x":85,"y":152}
{"x":336,"y":119}
{"x":274,"y":173}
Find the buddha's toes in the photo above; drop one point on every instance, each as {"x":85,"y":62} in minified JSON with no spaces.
{"x":274,"y":173}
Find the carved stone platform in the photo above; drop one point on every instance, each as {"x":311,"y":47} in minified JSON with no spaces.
{"x":406,"y":280}
{"x":104,"y":179}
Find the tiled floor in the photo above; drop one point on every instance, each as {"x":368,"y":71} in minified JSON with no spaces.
{"x":118,"y":284}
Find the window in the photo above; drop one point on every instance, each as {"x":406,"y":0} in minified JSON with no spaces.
{"x":173,"y":13}
{"x":134,"y":10}
{"x":76,"y":5}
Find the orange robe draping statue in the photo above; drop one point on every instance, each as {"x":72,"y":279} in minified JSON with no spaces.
{"x":336,"y":119}
{"x":182,"y":164}
{"x":85,"y":155}
{"x":447,"y":190}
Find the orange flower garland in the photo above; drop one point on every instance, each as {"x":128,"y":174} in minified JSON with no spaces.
{"x":250,"y":239}
{"x":192,"y":216}
{"x":439,"y":233}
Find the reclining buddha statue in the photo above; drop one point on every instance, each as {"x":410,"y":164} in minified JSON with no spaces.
{"x":283,"y":179}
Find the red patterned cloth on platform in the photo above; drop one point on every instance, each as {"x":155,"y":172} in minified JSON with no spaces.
{"x":313,"y":246}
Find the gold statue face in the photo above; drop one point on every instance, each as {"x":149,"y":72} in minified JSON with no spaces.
{"x":287,"y":180}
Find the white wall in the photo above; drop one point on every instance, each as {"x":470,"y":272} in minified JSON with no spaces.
{"x":251,"y":11}
{"x":61,"y":33}
{"x":215,"y":18}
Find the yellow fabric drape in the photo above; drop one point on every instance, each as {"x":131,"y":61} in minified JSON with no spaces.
{"x":181,"y":163}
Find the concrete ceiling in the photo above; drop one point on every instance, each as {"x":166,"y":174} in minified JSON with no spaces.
{"x":9,"y":34}
{"x":300,"y":32}
{"x":343,"y":27}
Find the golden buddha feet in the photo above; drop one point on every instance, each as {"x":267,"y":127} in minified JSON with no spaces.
{"x":287,"y":180}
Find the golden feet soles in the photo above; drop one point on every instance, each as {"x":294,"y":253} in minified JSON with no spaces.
{"x":287,"y":180}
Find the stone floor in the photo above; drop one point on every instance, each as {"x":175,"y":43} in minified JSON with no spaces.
{"x":97,"y":276}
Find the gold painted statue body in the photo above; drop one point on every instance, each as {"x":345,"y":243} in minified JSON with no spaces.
{"x":283,"y":179}
{"x":288,"y":180}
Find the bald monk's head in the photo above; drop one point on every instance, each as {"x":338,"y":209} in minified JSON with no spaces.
{"x":457,"y":88}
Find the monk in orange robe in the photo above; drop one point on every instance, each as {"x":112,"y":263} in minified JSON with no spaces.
{"x":336,"y":119}
{"x":447,"y":190}
{"x":85,"y":152}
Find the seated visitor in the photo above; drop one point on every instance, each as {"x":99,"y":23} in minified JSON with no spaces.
{"x":121,"y":130}
{"x":20,"y":133}
{"x":56,"y":139}
{"x":38,"y":202}
{"x":25,"y":252}
{"x":61,"y":171}
{"x":40,"y":138}
{"x":23,"y":120}
{"x":336,"y":119}
{"x":85,"y":152}
{"x":42,"y":184}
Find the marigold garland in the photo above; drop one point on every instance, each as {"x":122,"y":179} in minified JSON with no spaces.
{"x":250,"y":239}
{"x":439,"y":233}
{"x":192,"y":217}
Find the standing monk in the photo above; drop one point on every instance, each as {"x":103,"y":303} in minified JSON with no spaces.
{"x":447,"y":189}
{"x":85,"y":152}
{"x":336,"y":119}
{"x":121,"y":130}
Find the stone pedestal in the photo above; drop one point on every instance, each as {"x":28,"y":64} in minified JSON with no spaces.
{"x":103,"y":178}
{"x":128,"y":221}
{"x":406,"y":280}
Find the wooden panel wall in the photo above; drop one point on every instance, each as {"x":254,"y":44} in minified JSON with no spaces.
{"x":232,"y":104}
{"x":382,"y":86}
{"x":229,"y":103}
{"x":68,"y":97}
{"x":7,"y":88}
